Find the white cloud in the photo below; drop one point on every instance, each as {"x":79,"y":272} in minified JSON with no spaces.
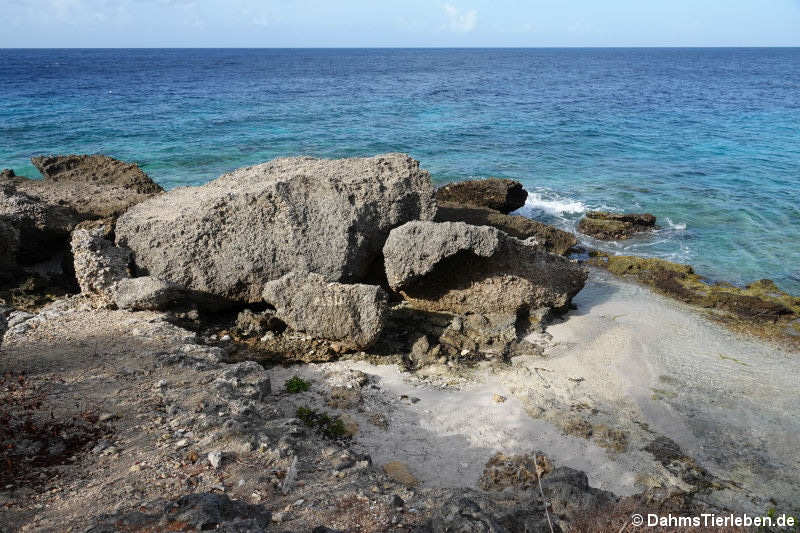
{"x":460,"y":21}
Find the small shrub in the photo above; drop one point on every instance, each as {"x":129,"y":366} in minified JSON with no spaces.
{"x":296,"y":385}
{"x":327,"y":426}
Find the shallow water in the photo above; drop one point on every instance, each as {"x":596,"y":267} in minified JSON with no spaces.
{"x":706,"y":139}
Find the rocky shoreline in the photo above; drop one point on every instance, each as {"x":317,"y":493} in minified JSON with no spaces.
{"x":295,"y":260}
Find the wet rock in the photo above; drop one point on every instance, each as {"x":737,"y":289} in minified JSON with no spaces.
{"x":456,"y":267}
{"x":615,"y":226}
{"x":231,"y":236}
{"x":146,"y":294}
{"x":350,"y":314}
{"x":99,"y":264}
{"x":760,"y":308}
{"x":503,"y":195}
{"x":95,"y":186}
{"x":552,"y":239}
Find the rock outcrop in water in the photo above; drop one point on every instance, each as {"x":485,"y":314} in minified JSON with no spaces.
{"x":456,"y":267}
{"x":230,"y":237}
{"x":615,"y":226}
{"x":95,"y":186}
{"x":503,"y":195}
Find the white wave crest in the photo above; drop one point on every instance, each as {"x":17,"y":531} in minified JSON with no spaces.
{"x":677,"y":227}
{"x":553,"y":206}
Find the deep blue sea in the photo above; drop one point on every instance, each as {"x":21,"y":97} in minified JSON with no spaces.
{"x":708,"y":140}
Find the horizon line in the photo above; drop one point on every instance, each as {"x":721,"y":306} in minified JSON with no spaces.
{"x":390,"y":47}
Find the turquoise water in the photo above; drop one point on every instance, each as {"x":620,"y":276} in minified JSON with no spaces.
{"x":706,"y":139}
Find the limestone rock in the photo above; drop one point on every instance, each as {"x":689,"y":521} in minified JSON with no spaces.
{"x":40,"y":230}
{"x":233,"y":235}
{"x":552,"y":239}
{"x":456,"y":267}
{"x":502,"y":195}
{"x":95,"y":186}
{"x":193,"y":512}
{"x":249,"y":323}
{"x":615,"y":226}
{"x":352,"y":314}
{"x":99,"y":264}
{"x":146,"y":294}
{"x":246,"y":380}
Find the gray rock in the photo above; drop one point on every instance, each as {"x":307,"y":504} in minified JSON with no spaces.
{"x":249,"y":323}
{"x":246,"y":380}
{"x":146,"y":294}
{"x":233,"y":235}
{"x":352,"y":314}
{"x":456,"y":267}
{"x":553,"y":239}
{"x":195,"y":512}
{"x":99,"y":264}
{"x":32,"y":230}
{"x":570,"y":495}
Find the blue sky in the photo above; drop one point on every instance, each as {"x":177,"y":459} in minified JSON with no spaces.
{"x":362,"y":23}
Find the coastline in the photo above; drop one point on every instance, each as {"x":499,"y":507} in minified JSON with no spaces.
{"x":425,"y":358}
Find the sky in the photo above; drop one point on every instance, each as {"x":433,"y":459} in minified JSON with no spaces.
{"x":387,"y":23}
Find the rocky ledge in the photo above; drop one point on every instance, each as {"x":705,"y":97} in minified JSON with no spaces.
{"x":760,"y":308}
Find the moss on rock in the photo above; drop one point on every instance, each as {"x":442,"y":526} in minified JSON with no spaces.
{"x":760,"y":309}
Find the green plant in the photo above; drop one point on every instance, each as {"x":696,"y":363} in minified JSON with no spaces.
{"x":296,"y":385}
{"x":332,"y":428}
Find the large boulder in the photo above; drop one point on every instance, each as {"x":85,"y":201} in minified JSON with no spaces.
{"x":502,"y":195}
{"x":553,"y":239}
{"x":456,"y":267}
{"x":615,"y":226}
{"x":351,"y":314}
{"x":95,"y":186}
{"x":230,"y":237}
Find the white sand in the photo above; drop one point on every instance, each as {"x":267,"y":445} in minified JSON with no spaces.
{"x":649,"y":366}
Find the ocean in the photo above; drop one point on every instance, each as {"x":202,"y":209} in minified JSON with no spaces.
{"x":708,"y":140}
